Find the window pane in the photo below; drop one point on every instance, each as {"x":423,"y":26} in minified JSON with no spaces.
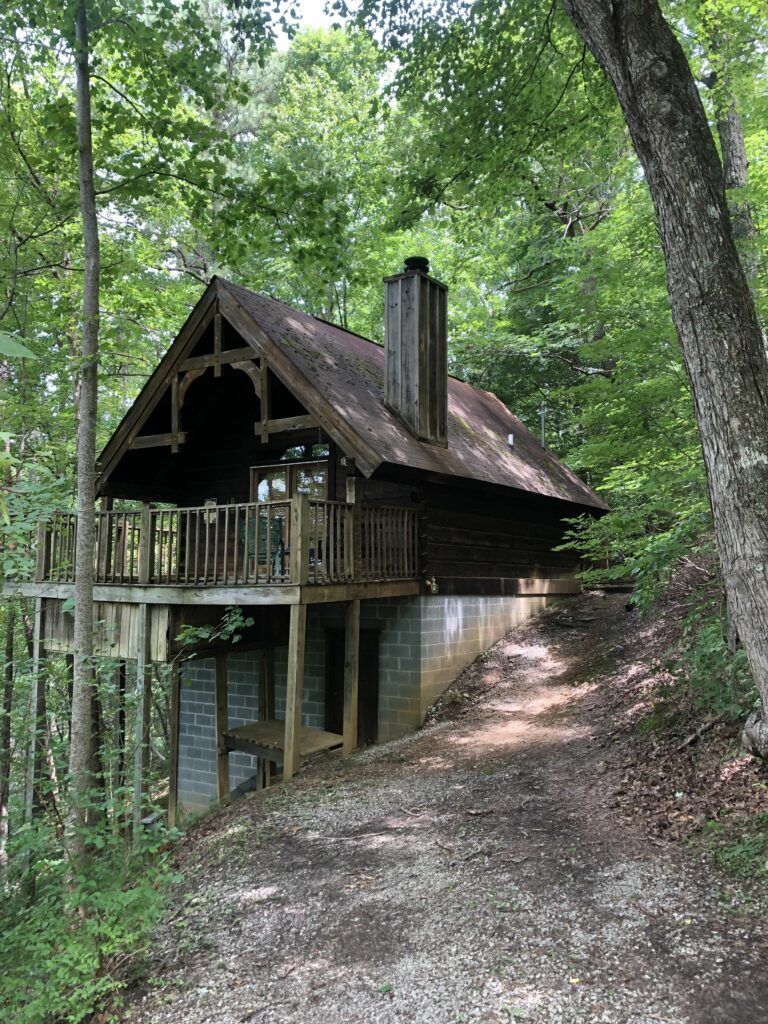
{"x":273,"y":486}
{"x":311,"y":480}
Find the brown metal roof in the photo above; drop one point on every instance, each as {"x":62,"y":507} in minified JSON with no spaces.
{"x":346,"y":372}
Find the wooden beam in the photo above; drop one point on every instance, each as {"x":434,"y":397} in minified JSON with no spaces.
{"x":142,"y":720}
{"x":222,"y":725}
{"x":217,"y":345}
{"x":232,"y":355}
{"x":251,"y":368}
{"x":264,"y":425}
{"x":329,"y":593}
{"x":286,"y":424}
{"x":175,"y":413}
{"x":351,"y":675}
{"x":220,"y":597}
{"x":174,"y":439}
{"x":173,"y":745}
{"x":36,"y":713}
{"x":295,"y":688}
{"x":189,"y":378}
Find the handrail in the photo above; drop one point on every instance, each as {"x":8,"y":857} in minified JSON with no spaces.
{"x":301,"y":541}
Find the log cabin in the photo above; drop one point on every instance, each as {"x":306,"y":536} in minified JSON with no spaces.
{"x":378,"y":522}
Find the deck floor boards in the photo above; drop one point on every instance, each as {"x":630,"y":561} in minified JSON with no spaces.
{"x":270,"y":735}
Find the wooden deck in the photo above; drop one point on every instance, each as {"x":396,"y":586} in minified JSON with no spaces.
{"x":268,"y":737}
{"x":295,"y":543}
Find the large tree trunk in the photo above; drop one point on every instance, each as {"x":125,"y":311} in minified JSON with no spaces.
{"x":709,"y":296}
{"x":80,"y":759}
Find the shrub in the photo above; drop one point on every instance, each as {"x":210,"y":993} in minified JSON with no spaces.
{"x":69,"y":940}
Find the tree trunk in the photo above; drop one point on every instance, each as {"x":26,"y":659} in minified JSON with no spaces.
{"x":80,"y":758}
{"x":5,"y":740}
{"x":711,"y":304}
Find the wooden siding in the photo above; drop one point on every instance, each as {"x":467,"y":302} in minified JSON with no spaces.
{"x":117,"y":630}
{"x":416,"y":372}
{"x":467,"y":537}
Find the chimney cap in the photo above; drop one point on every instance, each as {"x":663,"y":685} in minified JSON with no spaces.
{"x":420,"y":263}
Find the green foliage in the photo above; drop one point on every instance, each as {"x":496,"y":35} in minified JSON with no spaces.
{"x":717,"y":679}
{"x":229,"y":630}
{"x":739,"y":844}
{"x":71,"y":948}
{"x":14,"y":349}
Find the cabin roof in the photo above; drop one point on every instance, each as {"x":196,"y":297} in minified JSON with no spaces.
{"x":348,"y":371}
{"x":339,"y":377}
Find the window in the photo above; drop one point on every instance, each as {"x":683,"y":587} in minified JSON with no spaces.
{"x":278,"y":483}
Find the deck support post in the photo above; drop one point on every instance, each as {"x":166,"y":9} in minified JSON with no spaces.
{"x":145,"y":544}
{"x":299,"y":540}
{"x":353,"y":499}
{"x":351,"y":675}
{"x":41,"y":551}
{"x":143,"y":713}
{"x":222,"y":725}
{"x":173,"y":745}
{"x":267,"y":703}
{"x":295,"y":686}
{"x":37,"y":712}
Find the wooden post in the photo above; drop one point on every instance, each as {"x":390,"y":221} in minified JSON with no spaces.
{"x":356,"y":546}
{"x":41,"y":553}
{"x":264,"y":400}
{"x":145,"y":545}
{"x":175,"y":414}
{"x":36,"y":710}
{"x":267,"y":702}
{"x":299,"y":540}
{"x":217,"y":345}
{"x":143,"y":709}
{"x":222,"y":724}
{"x":173,"y":745}
{"x":103,"y":540}
{"x":351,"y":675}
{"x":295,"y":687}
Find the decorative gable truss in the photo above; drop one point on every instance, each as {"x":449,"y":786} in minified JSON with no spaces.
{"x":186,"y":361}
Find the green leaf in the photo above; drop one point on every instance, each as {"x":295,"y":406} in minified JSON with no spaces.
{"x":10,"y":347}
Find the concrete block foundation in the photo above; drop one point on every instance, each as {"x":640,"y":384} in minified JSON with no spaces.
{"x":424,"y":643}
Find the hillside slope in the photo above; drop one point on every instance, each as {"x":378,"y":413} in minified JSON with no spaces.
{"x":498,"y":865}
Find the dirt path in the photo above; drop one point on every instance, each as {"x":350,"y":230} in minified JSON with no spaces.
{"x":474,"y":872}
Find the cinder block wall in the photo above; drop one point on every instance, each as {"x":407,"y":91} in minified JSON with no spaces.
{"x":424,"y":642}
{"x":454,"y":630}
{"x":197,"y":717}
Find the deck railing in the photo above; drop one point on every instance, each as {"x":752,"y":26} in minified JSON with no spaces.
{"x":294,"y":541}
{"x":388,"y":543}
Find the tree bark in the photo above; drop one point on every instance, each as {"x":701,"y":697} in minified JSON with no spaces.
{"x":711,"y":304}
{"x":5,"y":740}
{"x":80,"y":759}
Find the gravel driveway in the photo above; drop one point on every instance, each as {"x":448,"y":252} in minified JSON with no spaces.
{"x":476,"y":871}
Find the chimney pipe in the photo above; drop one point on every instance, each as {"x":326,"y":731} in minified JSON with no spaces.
{"x":416,"y":379}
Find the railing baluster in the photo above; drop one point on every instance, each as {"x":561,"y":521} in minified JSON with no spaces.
{"x":245,"y":544}
{"x":226,"y":542}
